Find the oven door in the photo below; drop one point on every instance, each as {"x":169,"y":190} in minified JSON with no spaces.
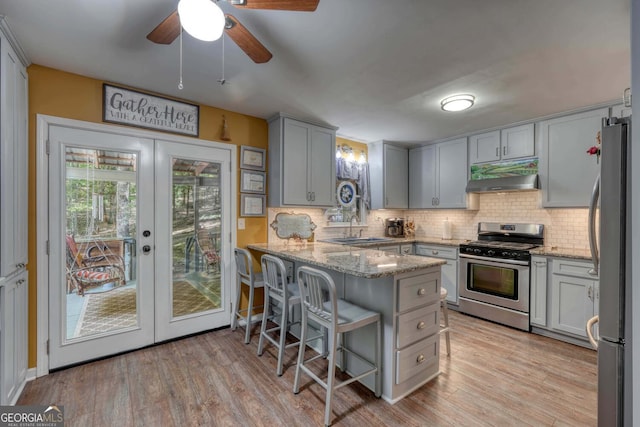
{"x":504,"y":283}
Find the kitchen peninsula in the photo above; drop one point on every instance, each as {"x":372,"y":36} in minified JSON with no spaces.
{"x":404,"y":289}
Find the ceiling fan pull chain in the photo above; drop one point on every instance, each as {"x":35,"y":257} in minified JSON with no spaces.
{"x":180,"y":85}
{"x":222,"y":80}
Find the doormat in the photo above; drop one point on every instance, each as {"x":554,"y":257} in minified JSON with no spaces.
{"x":116,"y":309}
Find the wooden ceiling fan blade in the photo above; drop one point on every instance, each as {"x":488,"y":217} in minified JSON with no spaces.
{"x":295,"y":5}
{"x":247,"y":41}
{"x":166,"y":31}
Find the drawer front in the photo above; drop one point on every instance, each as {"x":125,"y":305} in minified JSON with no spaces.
{"x":406,"y":249}
{"x":417,"y":291}
{"x":572,"y":268}
{"x":437,"y":251}
{"x":417,"y":325}
{"x":417,"y":358}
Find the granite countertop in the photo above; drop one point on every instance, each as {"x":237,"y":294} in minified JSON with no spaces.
{"x":361,"y":262}
{"x":409,"y":240}
{"x":562,"y":252}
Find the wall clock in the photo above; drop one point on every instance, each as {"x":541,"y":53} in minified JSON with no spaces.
{"x":346,"y":193}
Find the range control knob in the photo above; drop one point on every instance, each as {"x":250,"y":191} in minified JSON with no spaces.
{"x":505,"y":254}
{"x":491,"y":252}
{"x":477,"y":251}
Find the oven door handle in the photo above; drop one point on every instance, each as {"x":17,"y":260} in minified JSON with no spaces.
{"x":498,"y":260}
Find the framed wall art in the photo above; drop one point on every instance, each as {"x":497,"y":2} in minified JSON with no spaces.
{"x":252,"y":181}
{"x":252,"y":158}
{"x":252,"y":205}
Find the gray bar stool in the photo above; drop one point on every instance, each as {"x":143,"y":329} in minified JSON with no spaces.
{"x":444,"y":328}
{"x":320,"y":304}
{"x":277,"y":289}
{"x":245,"y":276}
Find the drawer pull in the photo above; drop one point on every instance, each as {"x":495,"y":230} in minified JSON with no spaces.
{"x":434,"y":252}
{"x":422,"y":291}
{"x":420,"y":358}
{"x":421,"y":325}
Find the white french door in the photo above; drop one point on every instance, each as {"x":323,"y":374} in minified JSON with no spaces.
{"x":135,"y":234}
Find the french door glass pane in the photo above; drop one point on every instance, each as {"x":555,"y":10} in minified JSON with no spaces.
{"x":196,"y":243}
{"x":100,"y":223}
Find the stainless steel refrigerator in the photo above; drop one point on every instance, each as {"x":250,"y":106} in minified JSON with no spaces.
{"x":612,"y":260}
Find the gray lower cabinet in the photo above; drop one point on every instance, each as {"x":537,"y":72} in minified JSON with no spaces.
{"x":538,"y":298}
{"x":574,"y":298}
{"x":566,"y":171}
{"x":449,"y":270}
{"x":404,"y":249}
{"x":13,"y":337}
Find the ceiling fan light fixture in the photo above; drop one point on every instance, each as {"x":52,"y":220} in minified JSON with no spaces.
{"x":202,"y":19}
{"x":457,"y":102}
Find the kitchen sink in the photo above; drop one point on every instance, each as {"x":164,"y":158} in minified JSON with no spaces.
{"x":356,"y":240}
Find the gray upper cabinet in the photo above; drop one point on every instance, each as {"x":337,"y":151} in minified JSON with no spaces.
{"x":506,"y":144}
{"x":13,"y":156}
{"x":302,"y":169}
{"x":566,"y":171}
{"x":422,"y":177}
{"x":388,"y":170}
{"x":438,"y":175}
{"x":484,"y":147}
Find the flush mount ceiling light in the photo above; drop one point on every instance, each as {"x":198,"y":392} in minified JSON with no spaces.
{"x":202,"y":19}
{"x":457,"y":102}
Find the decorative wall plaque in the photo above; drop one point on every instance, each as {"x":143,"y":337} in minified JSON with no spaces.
{"x":133,"y":108}
{"x":290,"y":225}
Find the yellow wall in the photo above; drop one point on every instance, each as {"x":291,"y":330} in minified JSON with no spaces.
{"x":57,"y":93}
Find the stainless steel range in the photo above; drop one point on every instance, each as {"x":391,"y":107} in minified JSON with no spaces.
{"x":494,"y":272}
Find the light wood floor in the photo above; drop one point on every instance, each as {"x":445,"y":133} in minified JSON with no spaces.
{"x":496,"y":376}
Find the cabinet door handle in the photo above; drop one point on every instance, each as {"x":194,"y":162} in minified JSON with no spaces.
{"x":539,"y":263}
{"x":497,"y":151}
{"x":308,"y":196}
{"x":20,"y":282}
{"x":313,"y":196}
{"x":420,"y":325}
{"x":437,"y":201}
{"x":434,"y":252}
{"x":422,"y":291}
{"x":420,"y":358}
{"x":590,"y":292}
{"x":504,"y":150}
{"x":386,"y":201}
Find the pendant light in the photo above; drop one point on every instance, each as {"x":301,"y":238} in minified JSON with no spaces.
{"x":202,"y":19}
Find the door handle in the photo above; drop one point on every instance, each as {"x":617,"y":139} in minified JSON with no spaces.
{"x":146,"y":249}
{"x":593,"y":204}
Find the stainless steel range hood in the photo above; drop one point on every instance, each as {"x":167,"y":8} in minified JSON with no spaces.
{"x":509,"y":183}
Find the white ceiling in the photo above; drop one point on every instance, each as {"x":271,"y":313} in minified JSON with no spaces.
{"x":376,"y":69}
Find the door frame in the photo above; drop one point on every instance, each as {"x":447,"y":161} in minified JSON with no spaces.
{"x":42,"y":205}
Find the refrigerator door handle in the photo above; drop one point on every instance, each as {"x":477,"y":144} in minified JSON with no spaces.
{"x":595,"y":195}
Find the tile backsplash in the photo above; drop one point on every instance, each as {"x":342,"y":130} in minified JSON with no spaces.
{"x":564,"y":228}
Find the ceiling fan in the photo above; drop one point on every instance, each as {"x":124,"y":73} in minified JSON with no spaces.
{"x":169,"y":29}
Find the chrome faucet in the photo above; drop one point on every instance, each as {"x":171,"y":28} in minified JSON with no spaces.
{"x":351,"y":226}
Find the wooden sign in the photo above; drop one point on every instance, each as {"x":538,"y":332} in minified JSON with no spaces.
{"x":292,"y":225}
{"x":132,"y":108}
